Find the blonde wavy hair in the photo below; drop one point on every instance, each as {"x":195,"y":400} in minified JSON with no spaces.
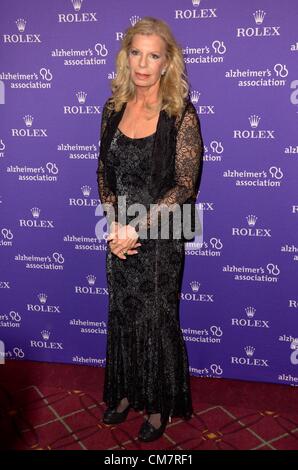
{"x":174,"y":85}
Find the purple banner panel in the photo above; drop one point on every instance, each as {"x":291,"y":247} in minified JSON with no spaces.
{"x":239,"y":297}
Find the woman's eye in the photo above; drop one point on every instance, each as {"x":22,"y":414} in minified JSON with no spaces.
{"x":134,"y":52}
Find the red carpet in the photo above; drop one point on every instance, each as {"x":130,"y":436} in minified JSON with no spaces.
{"x":59,"y":406}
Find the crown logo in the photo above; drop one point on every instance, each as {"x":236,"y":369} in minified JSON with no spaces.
{"x":259,"y":16}
{"x":35,"y":211}
{"x":250,"y":312}
{"x":254,"y":120}
{"x":251,"y":220}
{"x":28,"y":120}
{"x":194,"y":96}
{"x":134,"y":19}
{"x":21,"y":24}
{"x":81,"y":95}
{"x":86,"y":190}
{"x":196,"y":3}
{"x":91,"y":279}
{"x":42,"y":298}
{"x":249,"y":350}
{"x":45,"y":334}
{"x":77,"y":4}
{"x":195,"y":286}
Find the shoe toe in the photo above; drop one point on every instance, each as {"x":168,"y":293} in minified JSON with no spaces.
{"x":111,"y":416}
{"x":108,"y":416}
{"x":109,"y":412}
{"x":149,"y":433}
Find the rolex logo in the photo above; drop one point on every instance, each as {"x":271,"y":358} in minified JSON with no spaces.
{"x":250,"y":312}
{"x":195,"y":13}
{"x":45,"y":334}
{"x":259,"y":16}
{"x":194,"y":96}
{"x":254,"y":120}
{"x":35,"y":221}
{"x":77,"y":4}
{"x":91,"y":279}
{"x":82,"y":107}
{"x":134,"y":19}
{"x":77,"y":16}
{"x":249,"y":360}
{"x":43,"y":307}
{"x":81,"y":95}
{"x":35,"y":211}
{"x":254,"y":133}
{"x":86,"y":190}
{"x":251,"y":220}
{"x":90,"y":289}
{"x":251,"y":231}
{"x":42,"y":298}
{"x":29,"y":130}
{"x":258,"y":30}
{"x":44,"y":344}
{"x":195,"y":286}
{"x":249,"y":350}
{"x":28,"y":120}
{"x":85,"y":201}
{"x":21,"y":37}
{"x":21,"y":24}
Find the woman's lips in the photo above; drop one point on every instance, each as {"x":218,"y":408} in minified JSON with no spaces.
{"x":142,"y":75}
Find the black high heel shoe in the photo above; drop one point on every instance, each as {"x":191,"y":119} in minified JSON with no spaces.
{"x":111,"y":416}
{"x":148,"y":432}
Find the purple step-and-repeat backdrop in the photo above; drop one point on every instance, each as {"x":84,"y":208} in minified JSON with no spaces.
{"x":239,"y":299}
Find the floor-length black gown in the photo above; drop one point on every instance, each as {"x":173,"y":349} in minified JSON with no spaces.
{"x":146,"y":357}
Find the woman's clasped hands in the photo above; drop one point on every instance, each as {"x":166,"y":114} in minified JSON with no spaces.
{"x":123,"y":239}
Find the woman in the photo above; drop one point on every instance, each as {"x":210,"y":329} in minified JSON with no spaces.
{"x":150,"y":152}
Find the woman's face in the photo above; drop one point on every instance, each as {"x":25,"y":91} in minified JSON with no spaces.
{"x":146,"y":59}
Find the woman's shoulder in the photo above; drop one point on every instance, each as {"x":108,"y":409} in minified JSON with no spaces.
{"x":108,"y":105}
{"x":188,"y":105}
{"x":190,"y":110}
{"x":187,"y":108}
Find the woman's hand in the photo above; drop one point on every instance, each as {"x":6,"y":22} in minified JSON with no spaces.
{"x":123,"y":239}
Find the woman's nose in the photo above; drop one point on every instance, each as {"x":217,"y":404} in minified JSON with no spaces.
{"x":143,"y":61}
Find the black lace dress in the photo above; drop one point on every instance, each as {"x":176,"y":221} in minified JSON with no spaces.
{"x":146,"y":357}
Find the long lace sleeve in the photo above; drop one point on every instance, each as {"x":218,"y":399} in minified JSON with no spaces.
{"x":107,"y":198}
{"x":189,"y":150}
